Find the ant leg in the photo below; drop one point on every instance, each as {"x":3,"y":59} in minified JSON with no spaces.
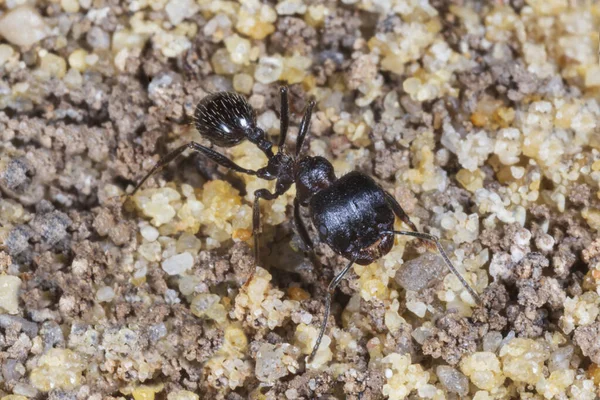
{"x":330,"y":291}
{"x":304,"y":125}
{"x":399,"y":211}
{"x":303,"y":233}
{"x":259,"y":194}
{"x":284,"y":117}
{"x":435,"y":239}
{"x":213,"y":155}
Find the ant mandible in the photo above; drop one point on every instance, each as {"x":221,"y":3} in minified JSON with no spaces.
{"x":352,"y":214}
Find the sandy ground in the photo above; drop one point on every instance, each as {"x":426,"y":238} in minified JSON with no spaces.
{"x":479,"y":117}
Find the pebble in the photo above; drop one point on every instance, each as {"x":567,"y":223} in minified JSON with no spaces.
{"x":98,"y":38}
{"x":54,"y":65}
{"x":6,"y":52}
{"x":9,"y":293}
{"x":146,"y":392}
{"x":416,"y":274}
{"x":77,"y":60}
{"x":453,"y":380}
{"x":290,"y":7}
{"x":70,"y":6}
{"x":23,"y":26}
{"x":58,"y":369}
{"x":270,"y":361}
{"x":182,"y":395}
{"x":269,"y":69}
{"x":27,"y":327}
{"x":179,"y":10}
{"x":492,"y":341}
{"x":105,"y":294}
{"x":178,"y":264}
{"x":149,"y":233}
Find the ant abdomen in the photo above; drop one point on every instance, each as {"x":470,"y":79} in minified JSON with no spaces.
{"x":224,"y":118}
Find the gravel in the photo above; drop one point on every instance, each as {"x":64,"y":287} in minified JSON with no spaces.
{"x":480,"y":118}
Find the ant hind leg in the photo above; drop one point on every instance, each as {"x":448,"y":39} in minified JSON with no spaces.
{"x":330,"y":290}
{"x":451,"y":267}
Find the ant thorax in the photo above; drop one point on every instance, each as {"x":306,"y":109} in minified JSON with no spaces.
{"x":280,"y":167}
{"x":312,"y":174}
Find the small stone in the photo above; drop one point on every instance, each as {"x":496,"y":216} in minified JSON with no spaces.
{"x":52,"y":226}
{"x":15,"y":174}
{"x":77,"y":60}
{"x":492,"y":341}
{"x":222,"y":63}
{"x":484,"y":370}
{"x":150,"y":251}
{"x":273,"y":361}
{"x":23,"y":26}
{"x":182,"y":395}
{"x":18,"y":239}
{"x":73,"y":79}
{"x":179,"y":10}
{"x":70,"y":6}
{"x":27,"y":327}
{"x":269,"y":69}
{"x":149,"y":233}
{"x":9,"y":293}
{"x":105,"y":294}
{"x":290,"y":7}
{"x":6,"y":52}
{"x":98,"y":38}
{"x":523,"y":360}
{"x":239,"y":49}
{"x":417,"y":274}
{"x":417,"y":307}
{"x":592,"y":76}
{"x":58,"y":369}
{"x":453,"y":380}
{"x":54,"y":65}
{"x":146,"y":392}
{"x":207,"y":305}
{"x":178,"y":264}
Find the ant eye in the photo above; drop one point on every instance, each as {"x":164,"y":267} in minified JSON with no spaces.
{"x":224,"y":118}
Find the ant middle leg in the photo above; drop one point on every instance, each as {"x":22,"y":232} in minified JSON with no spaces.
{"x":330,"y":290}
{"x":303,"y":233}
{"x":213,"y":155}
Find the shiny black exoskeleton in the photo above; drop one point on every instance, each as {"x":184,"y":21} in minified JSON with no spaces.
{"x":353,"y":215}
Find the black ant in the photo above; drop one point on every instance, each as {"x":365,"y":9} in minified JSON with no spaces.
{"x":352,"y":214}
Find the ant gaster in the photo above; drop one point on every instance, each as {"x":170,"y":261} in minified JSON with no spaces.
{"x":352,"y":214}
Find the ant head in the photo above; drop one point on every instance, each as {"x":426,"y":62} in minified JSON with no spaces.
{"x":313,"y":174}
{"x":225,"y":118}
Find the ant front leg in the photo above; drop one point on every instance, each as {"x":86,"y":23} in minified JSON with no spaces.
{"x":259,"y":194}
{"x":213,"y":155}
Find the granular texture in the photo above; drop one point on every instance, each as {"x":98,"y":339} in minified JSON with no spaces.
{"x":480,"y":117}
